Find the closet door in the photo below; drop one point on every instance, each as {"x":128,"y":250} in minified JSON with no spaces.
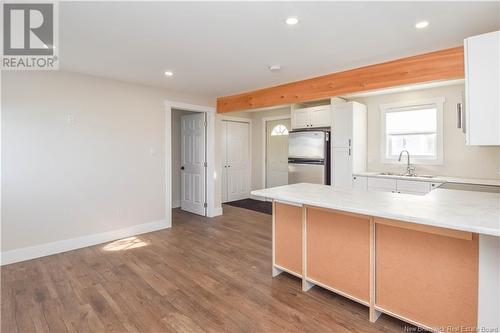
{"x":237,"y":161}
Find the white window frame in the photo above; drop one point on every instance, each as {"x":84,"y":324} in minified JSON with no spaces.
{"x":438,"y":103}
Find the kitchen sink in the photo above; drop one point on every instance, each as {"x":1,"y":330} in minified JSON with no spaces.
{"x":404,"y":175}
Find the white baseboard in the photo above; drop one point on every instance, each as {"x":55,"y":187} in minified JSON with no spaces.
{"x":42,"y":250}
{"x":176,"y":204}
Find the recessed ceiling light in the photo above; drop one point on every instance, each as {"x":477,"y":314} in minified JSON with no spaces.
{"x":169,"y":73}
{"x":422,"y":24}
{"x":275,"y":68}
{"x":292,"y":20}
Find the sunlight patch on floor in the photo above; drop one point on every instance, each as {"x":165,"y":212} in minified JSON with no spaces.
{"x":125,"y":244}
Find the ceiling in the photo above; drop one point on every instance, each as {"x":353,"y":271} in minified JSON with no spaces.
{"x":221,"y":48}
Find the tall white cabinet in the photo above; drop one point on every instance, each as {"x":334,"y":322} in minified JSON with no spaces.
{"x":482,"y":89}
{"x":348,"y":146}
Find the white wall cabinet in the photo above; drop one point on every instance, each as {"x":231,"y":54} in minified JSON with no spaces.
{"x":342,"y":158}
{"x":313,"y":117}
{"x":348,"y":148}
{"x":417,"y":187}
{"x":360,"y":183}
{"x":381,"y":184}
{"x":482,"y":89}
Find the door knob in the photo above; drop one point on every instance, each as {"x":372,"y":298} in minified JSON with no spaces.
{"x":182,"y":167}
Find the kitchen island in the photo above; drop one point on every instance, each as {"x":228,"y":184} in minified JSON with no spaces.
{"x":431,"y":260}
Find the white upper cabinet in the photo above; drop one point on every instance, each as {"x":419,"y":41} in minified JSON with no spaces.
{"x":482,"y":89}
{"x":321,"y":116}
{"x":317,"y":116}
{"x":300,"y":118}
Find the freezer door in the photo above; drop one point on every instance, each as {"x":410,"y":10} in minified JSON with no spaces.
{"x":306,"y":173}
{"x":307,"y":145}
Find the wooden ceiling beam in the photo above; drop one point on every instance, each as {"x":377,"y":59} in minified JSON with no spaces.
{"x":441,"y":65}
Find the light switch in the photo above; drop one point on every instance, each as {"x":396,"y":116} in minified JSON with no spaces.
{"x":152,"y":152}
{"x":70,"y":119}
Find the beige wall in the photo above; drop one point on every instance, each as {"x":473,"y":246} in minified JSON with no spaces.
{"x":459,"y":160}
{"x":65,"y":180}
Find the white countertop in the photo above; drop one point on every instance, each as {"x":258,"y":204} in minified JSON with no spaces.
{"x":436,"y":179}
{"x":477,"y":212}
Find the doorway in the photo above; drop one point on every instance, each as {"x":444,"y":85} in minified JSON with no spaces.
{"x":235,"y":160}
{"x":276,"y":152}
{"x":189,"y":161}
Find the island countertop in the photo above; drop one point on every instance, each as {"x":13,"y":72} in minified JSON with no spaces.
{"x":477,"y":212}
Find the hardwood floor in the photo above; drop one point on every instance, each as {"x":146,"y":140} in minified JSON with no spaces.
{"x":201,"y":275}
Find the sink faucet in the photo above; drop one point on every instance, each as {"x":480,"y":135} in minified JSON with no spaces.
{"x":409,"y":168}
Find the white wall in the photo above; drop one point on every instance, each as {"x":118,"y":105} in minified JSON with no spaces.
{"x":459,"y":160}
{"x":97,"y":174}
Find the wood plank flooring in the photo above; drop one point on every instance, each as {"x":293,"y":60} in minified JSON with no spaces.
{"x":202,"y":275}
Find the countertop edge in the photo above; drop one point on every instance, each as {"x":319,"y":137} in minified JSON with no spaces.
{"x":402,"y":218}
{"x":436,"y":179}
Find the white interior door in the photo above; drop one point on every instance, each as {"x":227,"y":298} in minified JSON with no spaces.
{"x":193,"y":163}
{"x":277,"y":152}
{"x":236,"y":184}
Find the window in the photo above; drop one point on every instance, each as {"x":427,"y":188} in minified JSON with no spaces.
{"x":416,"y":127}
{"x":279,"y":130}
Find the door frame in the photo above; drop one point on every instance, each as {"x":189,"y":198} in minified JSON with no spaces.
{"x":212,"y":209}
{"x":264,"y":146}
{"x":250,"y":151}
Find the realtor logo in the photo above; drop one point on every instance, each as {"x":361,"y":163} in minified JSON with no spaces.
{"x":29,"y":36}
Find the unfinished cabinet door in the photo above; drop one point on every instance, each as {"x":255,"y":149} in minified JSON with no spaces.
{"x":338,"y":252}
{"x":425,"y":277}
{"x":288,"y":237}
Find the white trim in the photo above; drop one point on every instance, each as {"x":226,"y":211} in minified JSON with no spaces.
{"x":439,"y":102}
{"x":286,"y":270}
{"x":250,"y":152}
{"x":176,"y":204}
{"x":409,"y":321}
{"x":212,"y":210}
{"x":488,"y":308}
{"x":236,"y":119}
{"x":42,"y":250}
{"x":341,"y":293}
{"x":264,"y":143}
{"x":217,"y":212}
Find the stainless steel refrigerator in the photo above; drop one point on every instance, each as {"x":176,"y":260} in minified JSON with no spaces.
{"x":309,"y":157}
